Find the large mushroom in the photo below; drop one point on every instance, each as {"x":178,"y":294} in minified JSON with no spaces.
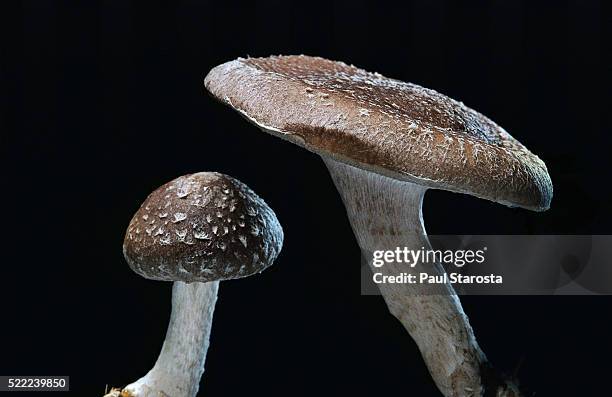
{"x":385,"y":142}
{"x":195,"y":231}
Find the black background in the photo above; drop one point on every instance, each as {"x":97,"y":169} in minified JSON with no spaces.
{"x":103,"y":101}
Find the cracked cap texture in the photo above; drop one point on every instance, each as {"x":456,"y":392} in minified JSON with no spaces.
{"x":390,"y":127}
{"x":202,"y":227}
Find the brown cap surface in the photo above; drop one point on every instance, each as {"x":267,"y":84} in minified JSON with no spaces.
{"x":386,"y":126}
{"x":202,"y":227}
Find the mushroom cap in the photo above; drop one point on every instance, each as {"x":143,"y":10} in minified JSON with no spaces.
{"x":202,"y":227}
{"x":382,"y":125}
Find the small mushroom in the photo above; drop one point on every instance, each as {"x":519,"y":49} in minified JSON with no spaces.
{"x":195,"y":231}
{"x":385,"y":142}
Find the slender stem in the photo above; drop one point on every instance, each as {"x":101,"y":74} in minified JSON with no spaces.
{"x":385,"y":214}
{"x":180,"y":364}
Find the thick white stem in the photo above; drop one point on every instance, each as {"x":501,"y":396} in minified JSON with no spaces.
{"x":180,"y":364}
{"x":385,"y":214}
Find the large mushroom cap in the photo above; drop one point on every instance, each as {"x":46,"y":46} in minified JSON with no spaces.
{"x":202,"y":227}
{"x":393,"y":128}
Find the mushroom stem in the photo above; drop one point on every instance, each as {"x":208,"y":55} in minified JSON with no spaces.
{"x":385,"y":214}
{"x":180,"y":364}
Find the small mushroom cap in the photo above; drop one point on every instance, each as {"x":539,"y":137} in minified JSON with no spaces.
{"x":202,"y":227}
{"x":383,"y":125}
